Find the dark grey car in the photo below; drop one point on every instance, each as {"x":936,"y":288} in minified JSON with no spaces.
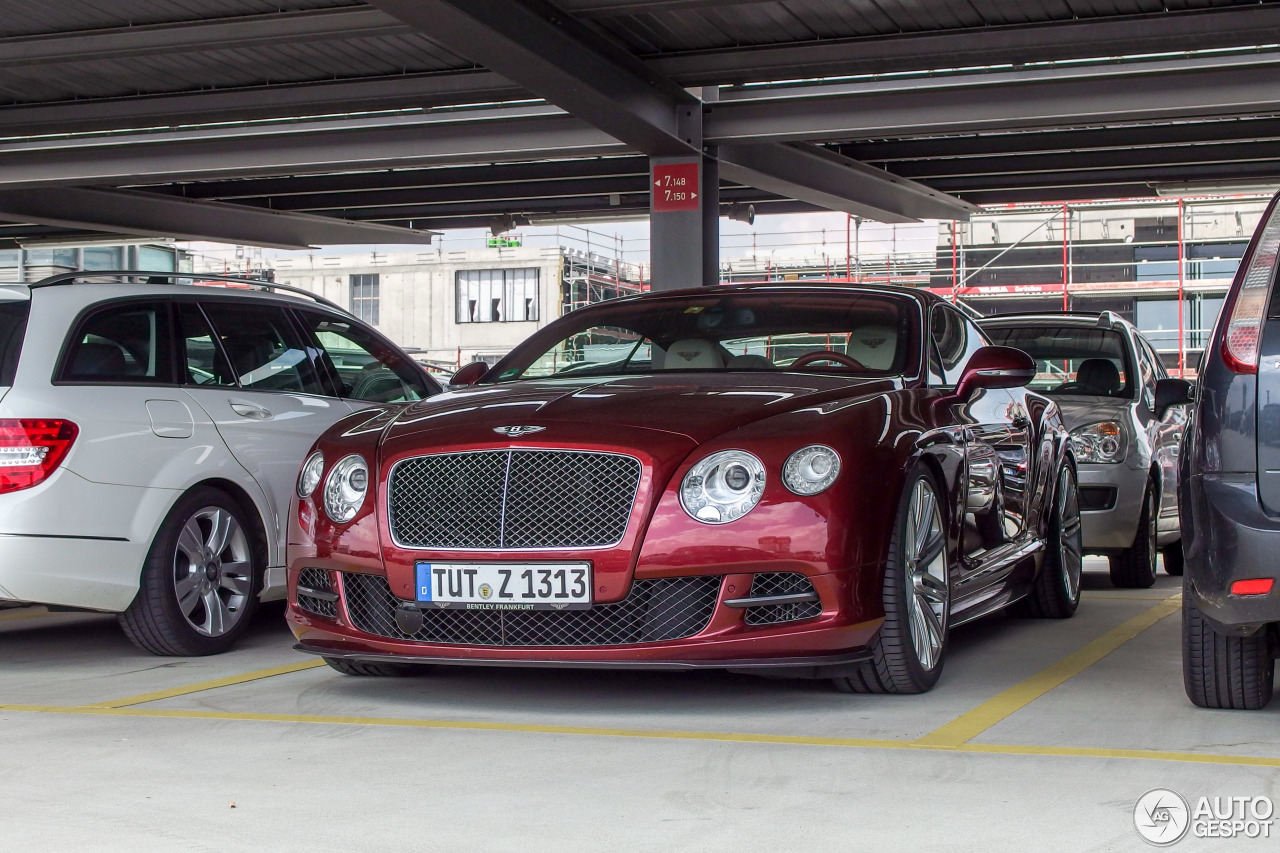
{"x":1122,"y":409}
{"x":1230,"y":493}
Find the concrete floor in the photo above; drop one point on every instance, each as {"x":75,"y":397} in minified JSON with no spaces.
{"x":1041,"y":735}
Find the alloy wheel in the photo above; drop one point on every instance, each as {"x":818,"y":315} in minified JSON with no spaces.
{"x":212,"y":571}
{"x":926,"y":560}
{"x":1070,"y":540}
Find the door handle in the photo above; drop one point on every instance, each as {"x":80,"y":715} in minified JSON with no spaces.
{"x":249,"y":410}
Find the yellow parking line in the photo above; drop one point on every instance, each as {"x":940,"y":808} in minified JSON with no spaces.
{"x":207,"y":685}
{"x":25,"y":614}
{"x":720,"y":737}
{"x":968,"y":726}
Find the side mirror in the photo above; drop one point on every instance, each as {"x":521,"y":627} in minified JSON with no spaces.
{"x":995,"y":367}
{"x":1173,"y":392}
{"x":469,"y":375}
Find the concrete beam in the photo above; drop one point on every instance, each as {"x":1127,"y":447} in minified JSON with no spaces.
{"x":151,"y":215}
{"x":822,"y":177}
{"x":536,"y":45}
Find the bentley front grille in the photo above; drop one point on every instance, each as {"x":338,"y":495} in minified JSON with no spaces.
{"x":315,"y":593}
{"x":791,"y":584}
{"x":654,"y":610}
{"x":512,"y":499}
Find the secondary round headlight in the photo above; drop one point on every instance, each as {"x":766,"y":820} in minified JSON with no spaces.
{"x":345,"y":487}
{"x":722,"y":487}
{"x":1100,"y":442}
{"x":309,"y":477}
{"x":811,"y":469}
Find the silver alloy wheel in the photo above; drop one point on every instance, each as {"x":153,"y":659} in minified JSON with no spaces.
{"x":926,"y":559}
{"x":1153,"y":528}
{"x":212,"y":571}
{"x":1070,"y":535}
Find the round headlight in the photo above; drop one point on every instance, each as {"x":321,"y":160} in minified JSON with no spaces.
{"x":722,"y":487}
{"x":309,"y":477}
{"x":811,"y":469}
{"x":1100,"y":442}
{"x":345,"y":488}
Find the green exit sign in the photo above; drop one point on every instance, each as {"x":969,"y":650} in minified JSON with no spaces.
{"x":513,"y":241}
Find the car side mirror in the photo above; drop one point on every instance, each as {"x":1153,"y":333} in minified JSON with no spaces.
{"x":995,"y":367}
{"x":1172,"y":392}
{"x":469,"y":375}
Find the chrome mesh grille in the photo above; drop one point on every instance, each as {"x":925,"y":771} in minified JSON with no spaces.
{"x":512,"y":499}
{"x":781,"y":583}
{"x":654,"y":610}
{"x":317,"y":579}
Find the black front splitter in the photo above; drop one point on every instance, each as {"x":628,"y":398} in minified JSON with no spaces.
{"x":826,"y":666}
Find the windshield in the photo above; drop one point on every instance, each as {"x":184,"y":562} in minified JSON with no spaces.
{"x":855,"y":333}
{"x":13,"y":320}
{"x":1071,"y":359}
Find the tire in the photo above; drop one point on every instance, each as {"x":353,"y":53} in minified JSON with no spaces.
{"x":1056,"y":591}
{"x":910,"y":649}
{"x":1135,"y":567}
{"x":1224,"y":672}
{"x":383,"y":670}
{"x":201,"y":579}
{"x":1173,"y":559}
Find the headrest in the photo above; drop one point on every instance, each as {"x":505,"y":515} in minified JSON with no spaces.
{"x":1098,"y":376}
{"x":692,"y":353}
{"x":98,"y":360}
{"x":874,"y":346}
{"x":750,"y":361}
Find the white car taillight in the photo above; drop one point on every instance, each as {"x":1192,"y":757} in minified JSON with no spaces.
{"x":1244,"y":326}
{"x":30,"y":450}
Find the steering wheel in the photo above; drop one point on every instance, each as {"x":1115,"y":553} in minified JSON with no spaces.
{"x":828,"y":355}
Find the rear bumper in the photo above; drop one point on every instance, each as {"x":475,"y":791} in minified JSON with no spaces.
{"x":74,"y":543}
{"x":1227,"y":537}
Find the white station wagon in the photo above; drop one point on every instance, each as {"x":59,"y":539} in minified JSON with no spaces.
{"x":151,"y":436}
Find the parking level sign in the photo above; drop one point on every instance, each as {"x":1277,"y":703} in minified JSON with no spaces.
{"x":675,"y":186}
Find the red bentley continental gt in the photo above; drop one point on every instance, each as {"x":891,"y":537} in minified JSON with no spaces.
{"x":818,"y":481}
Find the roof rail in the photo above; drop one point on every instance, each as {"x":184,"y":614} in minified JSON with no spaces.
{"x":160,"y":277}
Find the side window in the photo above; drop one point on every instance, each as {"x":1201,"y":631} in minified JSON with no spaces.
{"x":952,"y":340}
{"x":1161,"y":373}
{"x":367,"y":369}
{"x":202,"y":358}
{"x":262,"y":347}
{"x":126,"y":344}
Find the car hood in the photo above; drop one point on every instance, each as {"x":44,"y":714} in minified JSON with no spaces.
{"x":696,"y":406}
{"x":1081,"y":410}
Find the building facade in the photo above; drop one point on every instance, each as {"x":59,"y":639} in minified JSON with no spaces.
{"x":450,"y":308}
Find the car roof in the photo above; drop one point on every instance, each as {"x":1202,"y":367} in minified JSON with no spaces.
{"x":114,"y":283}
{"x":789,"y":287}
{"x":1072,"y":318}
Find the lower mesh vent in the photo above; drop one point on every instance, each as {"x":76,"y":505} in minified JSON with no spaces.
{"x":653,"y":611}
{"x":318,"y":580}
{"x":781,"y":583}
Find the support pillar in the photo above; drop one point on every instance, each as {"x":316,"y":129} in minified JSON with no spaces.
{"x":684,"y":226}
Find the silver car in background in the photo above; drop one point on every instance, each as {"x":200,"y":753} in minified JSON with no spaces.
{"x":1126,"y":417}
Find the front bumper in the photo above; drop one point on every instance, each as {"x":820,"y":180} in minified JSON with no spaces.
{"x":1113,"y":529}
{"x":821,"y":645}
{"x":1227,"y":537}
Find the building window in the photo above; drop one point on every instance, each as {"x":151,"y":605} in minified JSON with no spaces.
{"x":102,"y":258}
{"x":364,"y":297}
{"x":497,"y":296}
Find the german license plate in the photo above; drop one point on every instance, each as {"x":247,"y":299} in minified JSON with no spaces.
{"x":505,"y":586}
